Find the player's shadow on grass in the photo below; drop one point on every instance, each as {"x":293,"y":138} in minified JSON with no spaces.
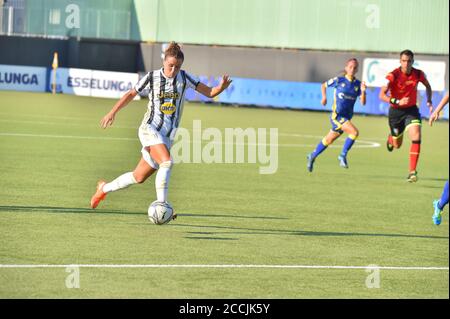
{"x":441,"y":179}
{"x":433,"y":187}
{"x":230,"y":216}
{"x":210,"y":238}
{"x":78,"y":210}
{"x":203,"y":233}
{"x":66,"y":210}
{"x":235,"y":230}
{"x":261,"y":231}
{"x":403,"y":177}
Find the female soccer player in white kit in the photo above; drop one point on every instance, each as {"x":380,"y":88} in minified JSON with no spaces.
{"x":167,"y":87}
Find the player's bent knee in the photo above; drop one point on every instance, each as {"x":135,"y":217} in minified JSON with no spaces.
{"x":140,"y":178}
{"x":354,"y":135}
{"x":166,"y":164}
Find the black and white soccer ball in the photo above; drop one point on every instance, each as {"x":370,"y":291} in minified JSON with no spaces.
{"x":160,"y":213}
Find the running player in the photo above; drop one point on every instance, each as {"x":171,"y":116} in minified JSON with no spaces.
{"x":439,"y":204}
{"x":346,"y":90}
{"x":167,"y":87}
{"x":403,"y":112}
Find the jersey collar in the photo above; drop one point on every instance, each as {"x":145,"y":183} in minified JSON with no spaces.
{"x":352,"y":80}
{"x":167,"y":78}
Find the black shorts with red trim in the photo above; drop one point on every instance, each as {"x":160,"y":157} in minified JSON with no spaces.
{"x":400,"y":119}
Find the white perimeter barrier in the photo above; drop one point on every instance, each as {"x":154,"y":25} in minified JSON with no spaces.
{"x":82,"y":82}
{"x":22,"y":78}
{"x":93,"y":83}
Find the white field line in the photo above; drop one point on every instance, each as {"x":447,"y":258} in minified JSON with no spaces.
{"x":69,"y":136}
{"x":365,"y":144}
{"x":65,"y":123}
{"x":226,"y":266}
{"x":48,"y":116}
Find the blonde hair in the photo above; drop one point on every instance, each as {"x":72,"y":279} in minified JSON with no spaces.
{"x":174,"y":50}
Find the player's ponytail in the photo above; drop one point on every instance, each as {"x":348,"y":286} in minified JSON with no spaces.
{"x":174,"y":50}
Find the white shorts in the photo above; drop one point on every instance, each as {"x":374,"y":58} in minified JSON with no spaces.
{"x":150,"y":137}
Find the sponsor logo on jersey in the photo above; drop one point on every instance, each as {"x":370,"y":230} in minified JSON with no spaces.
{"x":168,"y":108}
{"x":169,"y":95}
{"x":343,"y":96}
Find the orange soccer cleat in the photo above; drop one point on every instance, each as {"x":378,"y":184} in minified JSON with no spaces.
{"x":99,"y":194}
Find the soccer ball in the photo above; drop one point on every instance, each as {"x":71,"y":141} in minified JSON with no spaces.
{"x":160,"y":213}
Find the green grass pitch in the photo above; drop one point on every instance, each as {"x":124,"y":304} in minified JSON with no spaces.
{"x":53,"y":151}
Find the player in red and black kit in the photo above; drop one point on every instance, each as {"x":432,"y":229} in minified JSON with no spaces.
{"x":403,"y":112}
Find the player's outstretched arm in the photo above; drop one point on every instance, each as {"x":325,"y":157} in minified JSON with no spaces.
{"x":212,"y":92}
{"x":435,"y":115}
{"x":108,"y":119}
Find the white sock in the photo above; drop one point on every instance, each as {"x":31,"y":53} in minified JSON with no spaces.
{"x":120,"y":182}
{"x":162,"y":181}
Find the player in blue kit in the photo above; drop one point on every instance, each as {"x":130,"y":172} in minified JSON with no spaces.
{"x":346,"y":90}
{"x":439,"y":204}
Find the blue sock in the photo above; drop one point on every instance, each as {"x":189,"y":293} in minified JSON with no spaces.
{"x":444,"y":197}
{"x":348,"y":144}
{"x":319,"y":149}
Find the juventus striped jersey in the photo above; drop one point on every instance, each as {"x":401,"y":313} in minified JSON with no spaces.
{"x":166,"y":97}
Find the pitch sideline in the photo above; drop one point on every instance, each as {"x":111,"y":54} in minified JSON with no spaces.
{"x":225,"y":266}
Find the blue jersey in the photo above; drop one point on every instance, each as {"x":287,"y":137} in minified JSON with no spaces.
{"x":345,"y":94}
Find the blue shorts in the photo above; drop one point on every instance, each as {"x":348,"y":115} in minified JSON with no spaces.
{"x":337,"y":121}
